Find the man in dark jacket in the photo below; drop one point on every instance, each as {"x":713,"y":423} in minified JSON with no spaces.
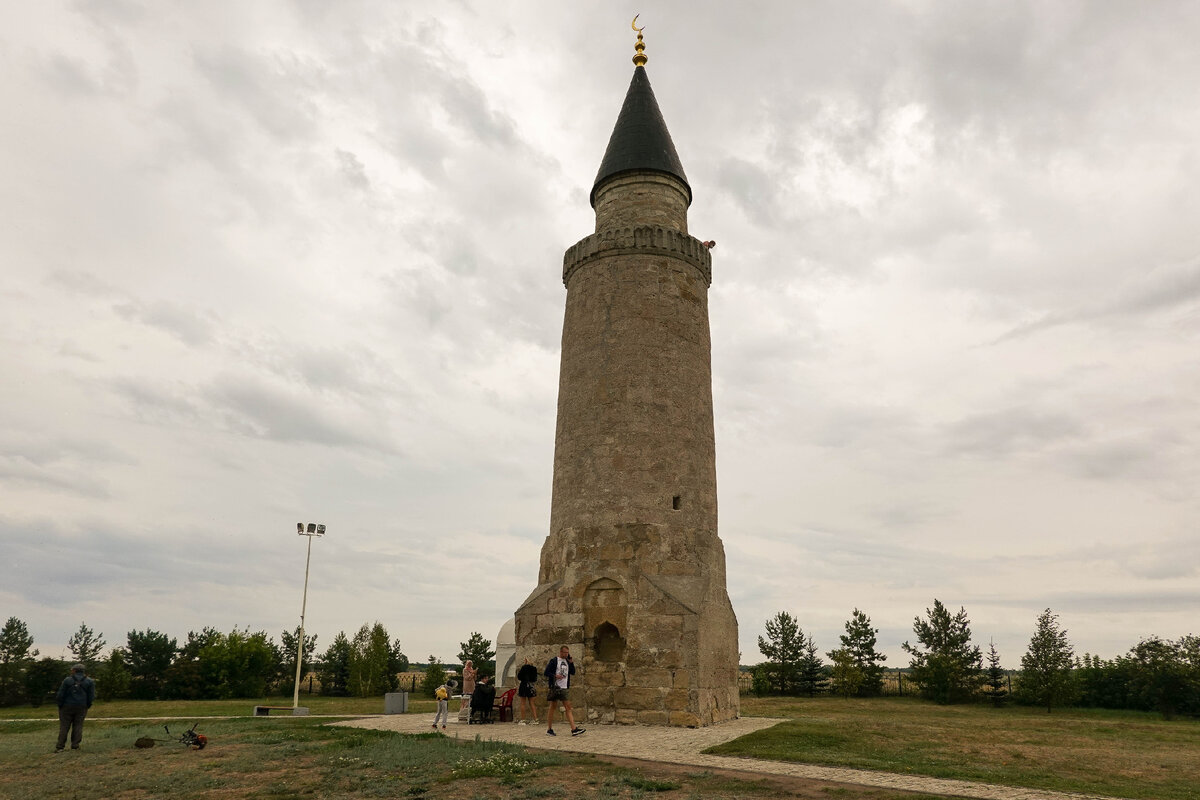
{"x":558,"y":673}
{"x":75,"y":696}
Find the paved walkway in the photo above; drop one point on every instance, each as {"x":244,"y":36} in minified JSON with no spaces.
{"x":683,"y":746}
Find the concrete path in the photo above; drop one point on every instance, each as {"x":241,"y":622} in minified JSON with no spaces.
{"x":683,"y":746}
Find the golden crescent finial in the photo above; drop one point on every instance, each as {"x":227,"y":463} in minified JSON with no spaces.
{"x":639,"y":58}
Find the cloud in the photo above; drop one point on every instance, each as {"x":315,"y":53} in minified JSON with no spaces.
{"x":353,"y":169}
{"x":285,"y":261}
{"x":189,"y":326}
{"x":270,"y":412}
{"x":1169,"y":288}
{"x":998,"y":434}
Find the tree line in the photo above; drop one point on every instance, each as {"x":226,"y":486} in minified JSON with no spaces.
{"x":946,"y":667}
{"x":208,"y":664}
{"x":211,"y":664}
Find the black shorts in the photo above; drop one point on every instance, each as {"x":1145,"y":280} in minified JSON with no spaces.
{"x":556,"y":694}
{"x":526,"y":690}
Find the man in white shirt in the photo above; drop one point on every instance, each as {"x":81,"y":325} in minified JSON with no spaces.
{"x":558,"y":674}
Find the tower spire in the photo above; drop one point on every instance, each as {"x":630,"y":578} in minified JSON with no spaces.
{"x":640,"y":139}
{"x":639,"y":58}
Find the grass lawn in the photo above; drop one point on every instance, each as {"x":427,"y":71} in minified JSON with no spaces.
{"x":1122,"y":754}
{"x":1119,"y":753}
{"x":291,"y":758}
{"x":316,"y":704}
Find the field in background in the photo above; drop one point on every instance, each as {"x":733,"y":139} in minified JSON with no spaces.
{"x":896,"y":683}
{"x":1120,"y":753}
{"x":316,"y":704}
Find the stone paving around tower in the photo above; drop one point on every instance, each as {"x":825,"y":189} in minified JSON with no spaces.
{"x":684,"y":746}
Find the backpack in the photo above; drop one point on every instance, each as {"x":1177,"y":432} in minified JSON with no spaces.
{"x":441,"y":693}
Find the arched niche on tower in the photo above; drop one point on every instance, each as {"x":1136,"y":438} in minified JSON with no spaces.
{"x":605,"y":614}
{"x":608,"y":643}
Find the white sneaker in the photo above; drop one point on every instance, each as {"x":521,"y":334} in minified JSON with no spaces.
{"x":522,"y":722}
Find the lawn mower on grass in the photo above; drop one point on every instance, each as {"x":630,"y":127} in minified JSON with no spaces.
{"x":189,"y":739}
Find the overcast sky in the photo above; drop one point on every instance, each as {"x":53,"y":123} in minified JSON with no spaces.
{"x":269,"y":262}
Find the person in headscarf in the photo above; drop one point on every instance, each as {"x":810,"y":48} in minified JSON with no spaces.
{"x":469,"y":674}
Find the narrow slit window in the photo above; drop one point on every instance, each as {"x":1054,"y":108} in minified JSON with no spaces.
{"x":676,"y":502}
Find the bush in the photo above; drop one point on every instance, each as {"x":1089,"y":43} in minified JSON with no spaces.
{"x":435,"y":676}
{"x":1155,"y":675}
{"x":43,"y":678}
{"x":760,"y":680}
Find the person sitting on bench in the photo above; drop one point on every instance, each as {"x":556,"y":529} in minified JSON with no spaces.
{"x":482,"y":700}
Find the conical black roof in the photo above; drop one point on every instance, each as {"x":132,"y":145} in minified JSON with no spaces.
{"x":640,"y":140}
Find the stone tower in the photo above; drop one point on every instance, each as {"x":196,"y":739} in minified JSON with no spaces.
{"x":632,"y":574}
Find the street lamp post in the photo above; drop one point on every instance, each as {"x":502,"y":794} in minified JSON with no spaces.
{"x":312,"y":529}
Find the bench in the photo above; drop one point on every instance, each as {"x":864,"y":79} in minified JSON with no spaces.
{"x":265,"y":711}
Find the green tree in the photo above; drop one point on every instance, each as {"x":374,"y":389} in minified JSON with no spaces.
{"x":783,"y":647}
{"x":435,"y":676}
{"x":1161,"y":677}
{"x":112,"y":676}
{"x":185,"y":678}
{"x":16,"y":654}
{"x":859,"y":643}
{"x":375,"y":661}
{"x":149,"y":654}
{"x":238,"y":664}
{"x":1046,"y":665}
{"x":86,"y":645}
{"x":995,"y":678}
{"x":848,"y":674}
{"x":760,"y":679}
{"x":477,"y":650}
{"x":811,"y":676}
{"x":945,"y":665}
{"x":42,"y":679}
{"x":287,"y":647}
{"x":334,"y":672}
{"x":1188,"y":648}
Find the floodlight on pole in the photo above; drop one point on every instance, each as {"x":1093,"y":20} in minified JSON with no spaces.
{"x":313,"y":529}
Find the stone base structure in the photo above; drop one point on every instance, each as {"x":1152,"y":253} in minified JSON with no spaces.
{"x":650,"y":649}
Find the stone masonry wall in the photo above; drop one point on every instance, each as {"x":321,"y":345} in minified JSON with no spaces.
{"x":632,"y":575}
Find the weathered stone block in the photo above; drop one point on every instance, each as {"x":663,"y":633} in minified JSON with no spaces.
{"x":607,"y":679}
{"x":676,"y":700}
{"x":626,"y":716}
{"x":562,"y":621}
{"x":650,"y":677}
{"x":632,"y":697}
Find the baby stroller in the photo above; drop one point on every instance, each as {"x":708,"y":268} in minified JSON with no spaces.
{"x":482,"y":700}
